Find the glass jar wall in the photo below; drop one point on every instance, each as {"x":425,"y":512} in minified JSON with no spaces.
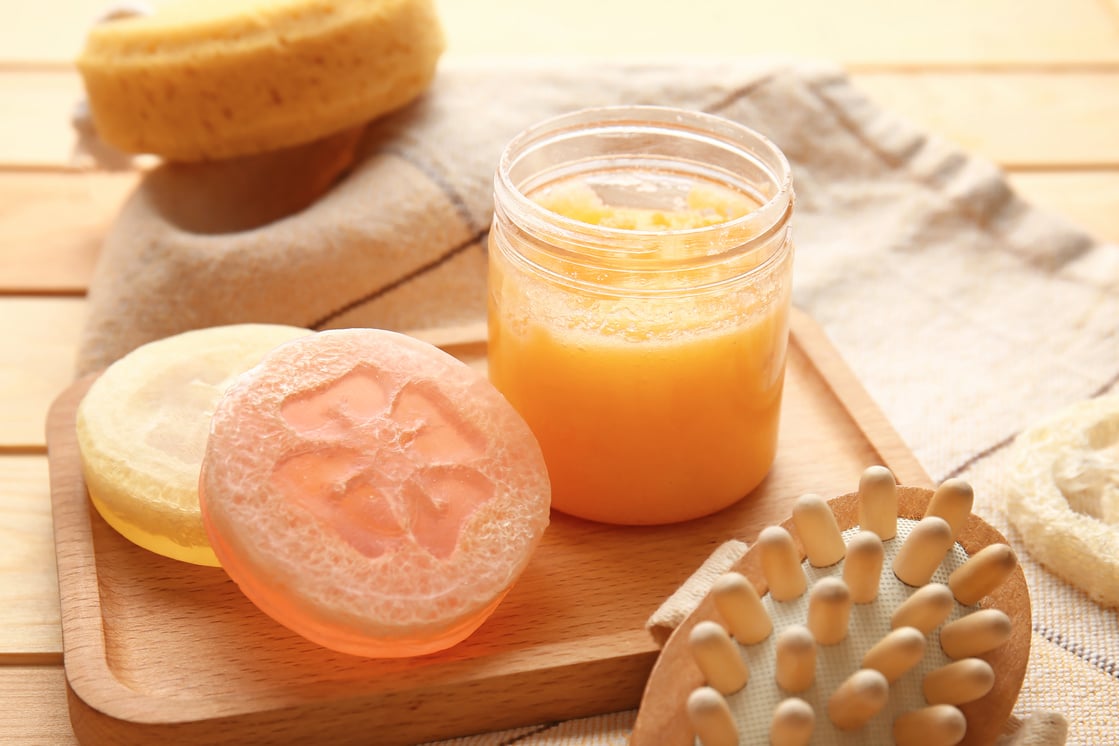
{"x":639,"y":288}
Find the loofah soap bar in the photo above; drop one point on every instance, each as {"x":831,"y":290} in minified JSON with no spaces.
{"x":208,"y":79}
{"x":372,"y":493}
{"x":142,"y":431}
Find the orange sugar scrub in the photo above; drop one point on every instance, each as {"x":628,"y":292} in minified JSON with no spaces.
{"x":639,"y":314}
{"x":372,"y":493}
{"x":142,"y":430}
{"x":700,"y":206}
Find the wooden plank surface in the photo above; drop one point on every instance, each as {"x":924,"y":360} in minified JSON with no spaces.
{"x":34,"y":697}
{"x":29,"y":611}
{"x":35,"y":112}
{"x":53,"y":225}
{"x":993,"y":32}
{"x":1087,"y":198}
{"x":856,"y":32}
{"x":1019,"y":118}
{"x":34,"y":367}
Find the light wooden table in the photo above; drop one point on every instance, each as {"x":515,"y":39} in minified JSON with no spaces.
{"x":1030,"y":84}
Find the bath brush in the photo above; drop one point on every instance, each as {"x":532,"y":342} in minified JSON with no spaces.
{"x":887,"y":615}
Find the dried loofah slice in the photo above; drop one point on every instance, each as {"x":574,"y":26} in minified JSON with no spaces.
{"x":1064,"y":495}
{"x":371,"y":492}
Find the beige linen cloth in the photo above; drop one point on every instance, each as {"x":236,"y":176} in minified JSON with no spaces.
{"x":965,"y":312}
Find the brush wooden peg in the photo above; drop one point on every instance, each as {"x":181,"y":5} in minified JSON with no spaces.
{"x":984,"y":571}
{"x":878,"y":502}
{"x":923,"y":551}
{"x":937,"y":725}
{"x":795,"y":659}
{"x":718,"y":658}
{"x":959,"y":683}
{"x":819,"y":532}
{"x":829,"y":610}
{"x":952,"y":501}
{"x":793,"y":723}
{"x":975,"y":634}
{"x":711,"y":718}
{"x":897,"y":652}
{"x":858,"y":699}
{"x":781,"y":564}
{"x":926,"y":609}
{"x":741,"y":608}
{"x":862,"y":571}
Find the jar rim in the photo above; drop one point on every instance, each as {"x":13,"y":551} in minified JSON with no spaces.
{"x":745,"y":140}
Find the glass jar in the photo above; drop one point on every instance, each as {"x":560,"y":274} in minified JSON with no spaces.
{"x":639,"y":286}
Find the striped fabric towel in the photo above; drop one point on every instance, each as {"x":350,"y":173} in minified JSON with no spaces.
{"x":966,"y":313}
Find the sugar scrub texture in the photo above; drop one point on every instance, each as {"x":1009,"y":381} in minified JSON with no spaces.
{"x":211,"y":79}
{"x":703,"y":206}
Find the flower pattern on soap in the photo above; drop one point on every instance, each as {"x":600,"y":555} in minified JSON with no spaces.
{"x":419,"y":486}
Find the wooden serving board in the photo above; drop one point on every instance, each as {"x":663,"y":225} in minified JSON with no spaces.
{"x":158,"y":651}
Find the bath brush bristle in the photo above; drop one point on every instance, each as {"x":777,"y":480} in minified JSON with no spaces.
{"x":936,"y":725}
{"x":926,"y":609}
{"x":975,"y":634}
{"x":858,"y":699}
{"x":795,"y":659}
{"x":793,"y":723}
{"x":711,"y":719}
{"x":829,"y":611}
{"x":878,"y":502}
{"x":816,"y":525}
{"x":741,"y":608}
{"x":863,"y":568}
{"x":959,"y":682}
{"x":952,"y":501}
{"x":718,"y":658}
{"x":781,"y":564}
{"x":896,"y":653}
{"x":985,"y":571}
{"x":923,"y":551}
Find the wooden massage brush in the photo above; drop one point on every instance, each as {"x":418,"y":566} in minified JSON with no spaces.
{"x":887,"y":615}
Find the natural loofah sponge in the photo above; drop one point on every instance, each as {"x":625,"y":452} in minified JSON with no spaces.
{"x":1064,"y":495}
{"x":208,"y":79}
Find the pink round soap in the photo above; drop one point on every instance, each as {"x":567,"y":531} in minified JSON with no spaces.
{"x":371,"y":492}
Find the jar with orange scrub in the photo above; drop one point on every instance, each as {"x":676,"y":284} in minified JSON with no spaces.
{"x":639,"y":289}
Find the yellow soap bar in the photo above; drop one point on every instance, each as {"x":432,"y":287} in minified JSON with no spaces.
{"x":142,"y":430}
